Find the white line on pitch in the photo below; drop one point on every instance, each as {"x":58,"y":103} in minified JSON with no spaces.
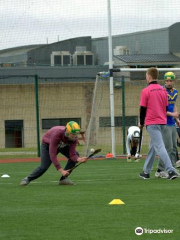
{"x":5,"y":183}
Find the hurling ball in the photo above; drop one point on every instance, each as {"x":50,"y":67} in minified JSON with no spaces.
{"x":92,"y":150}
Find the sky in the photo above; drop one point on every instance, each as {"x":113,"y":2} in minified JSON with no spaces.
{"x":26,"y":22}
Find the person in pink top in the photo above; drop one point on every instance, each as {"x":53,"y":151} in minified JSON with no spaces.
{"x":59,"y":139}
{"x":153,"y":108}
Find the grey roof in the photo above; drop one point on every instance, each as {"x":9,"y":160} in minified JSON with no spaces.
{"x":147,"y":58}
{"x":19,"y":50}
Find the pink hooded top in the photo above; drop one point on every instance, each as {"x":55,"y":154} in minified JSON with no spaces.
{"x":56,"y":137}
{"x":154,"y":98}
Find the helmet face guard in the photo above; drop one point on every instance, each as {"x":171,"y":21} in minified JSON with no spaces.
{"x":136,"y":140}
{"x":136,"y":136}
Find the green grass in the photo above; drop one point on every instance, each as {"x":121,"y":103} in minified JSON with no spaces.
{"x":18,"y":150}
{"x":45,"y":211}
{"x":16,"y":153}
{"x":10,"y":153}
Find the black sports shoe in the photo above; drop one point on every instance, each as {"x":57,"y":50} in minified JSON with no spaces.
{"x":144,"y":175}
{"x":172,"y":175}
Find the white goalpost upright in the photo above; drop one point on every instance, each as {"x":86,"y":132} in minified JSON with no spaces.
{"x":111,"y":79}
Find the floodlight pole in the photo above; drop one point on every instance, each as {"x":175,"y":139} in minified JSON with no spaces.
{"x":111,"y":79}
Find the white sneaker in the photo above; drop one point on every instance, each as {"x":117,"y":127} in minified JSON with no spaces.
{"x":164,"y":174}
{"x":138,"y":156}
{"x":177,"y":172}
{"x":66,"y":181}
{"x":178,"y":164}
{"x":24,"y":182}
{"x":137,"y":160}
{"x":129,"y":159}
{"x":161,"y":174}
{"x":157,"y":174}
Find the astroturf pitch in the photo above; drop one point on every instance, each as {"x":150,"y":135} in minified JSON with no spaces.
{"x":45,"y":211}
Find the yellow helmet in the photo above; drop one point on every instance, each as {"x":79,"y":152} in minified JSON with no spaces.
{"x":73,"y":128}
{"x":169,"y":76}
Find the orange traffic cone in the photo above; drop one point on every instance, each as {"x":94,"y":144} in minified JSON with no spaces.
{"x":109,"y":155}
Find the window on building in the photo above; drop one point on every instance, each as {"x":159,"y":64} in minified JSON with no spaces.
{"x":66,"y":59}
{"x":57,"y":60}
{"x":129,"y":121}
{"x":14,"y":134}
{"x":126,"y":52}
{"x":80,"y":59}
{"x":52,"y":122}
{"x":89,"y":59}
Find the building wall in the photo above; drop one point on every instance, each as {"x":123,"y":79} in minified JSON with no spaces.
{"x":174,"y":39}
{"x":16,"y":58}
{"x":82,"y":72}
{"x":18,"y":103}
{"x":159,"y":41}
{"x":16,"y":54}
{"x":68,"y":100}
{"x":55,"y":101}
{"x":42,"y":54}
{"x":147,"y":42}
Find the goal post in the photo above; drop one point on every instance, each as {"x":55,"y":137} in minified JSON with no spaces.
{"x":126,"y":109}
{"x":145,"y":69}
{"x":111,"y":79}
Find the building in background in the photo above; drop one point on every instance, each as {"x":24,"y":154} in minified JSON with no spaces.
{"x":160,"y":47}
{"x":66,"y":72}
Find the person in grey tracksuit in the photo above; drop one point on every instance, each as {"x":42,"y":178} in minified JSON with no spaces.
{"x":170,"y":133}
{"x":153,"y":108}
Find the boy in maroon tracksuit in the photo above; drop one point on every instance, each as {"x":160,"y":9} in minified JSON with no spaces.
{"x":62,"y":140}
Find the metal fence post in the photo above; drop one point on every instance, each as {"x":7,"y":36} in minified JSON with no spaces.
{"x":37,"y":115}
{"x":123,"y":116}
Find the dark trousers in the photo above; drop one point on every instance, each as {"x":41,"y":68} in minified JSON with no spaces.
{"x":46,"y":162}
{"x":133,"y":151}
